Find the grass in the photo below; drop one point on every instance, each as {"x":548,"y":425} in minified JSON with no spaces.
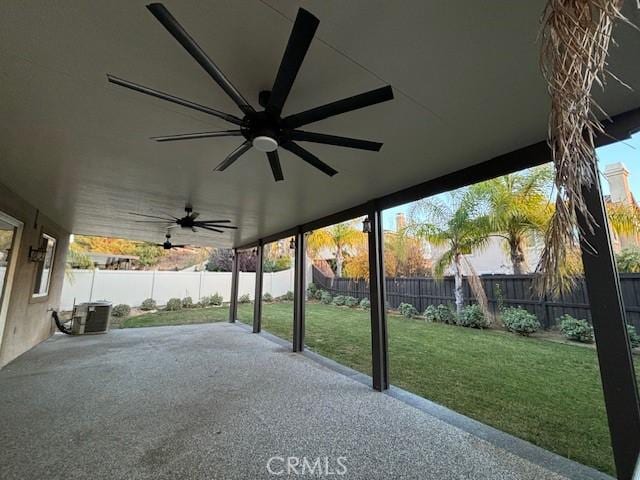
{"x":545,"y":392}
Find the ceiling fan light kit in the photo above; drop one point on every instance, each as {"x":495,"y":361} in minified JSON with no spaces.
{"x":265,"y":130}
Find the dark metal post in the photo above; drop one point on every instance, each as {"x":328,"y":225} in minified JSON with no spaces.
{"x":233,"y":301}
{"x":257,"y":303}
{"x":299,"y":292}
{"x":609,"y":324}
{"x":377,"y":299}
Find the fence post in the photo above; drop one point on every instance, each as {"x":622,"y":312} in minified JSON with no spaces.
{"x":257,"y":303}
{"x":200,"y":285}
{"x":153,"y":283}
{"x":609,"y":324}
{"x":233,"y":300}
{"x":93,"y":281}
{"x":299,"y":291}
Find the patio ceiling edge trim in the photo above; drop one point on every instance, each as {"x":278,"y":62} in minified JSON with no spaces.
{"x":619,"y":127}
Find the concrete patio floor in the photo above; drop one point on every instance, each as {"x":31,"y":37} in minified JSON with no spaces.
{"x":214,"y":401}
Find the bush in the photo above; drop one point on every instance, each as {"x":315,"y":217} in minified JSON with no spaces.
{"x":287,"y":297}
{"x":634,"y":338}
{"x":365,"y":304}
{"x":318,"y":294}
{"x":148,"y":304}
{"x":407,"y":310}
{"x":472,"y":316}
{"x":311,"y":290}
{"x":431,"y":314}
{"x":577,"y":330}
{"x":173,"y":304}
{"x":325,"y":297}
{"x":267,"y":297}
{"x":216,"y":299}
{"x":350,"y":301}
{"x":121,"y":311}
{"x":518,"y":320}
{"x":339,"y":300}
{"x":244,"y":298}
{"x":187,"y":302}
{"x":445,"y":314}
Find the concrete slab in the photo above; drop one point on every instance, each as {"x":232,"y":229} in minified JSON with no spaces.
{"x":215,"y":401}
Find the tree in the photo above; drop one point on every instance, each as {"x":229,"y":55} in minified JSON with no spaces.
{"x":404,"y":255}
{"x":456,"y":227}
{"x":517,"y":207}
{"x":221,"y":260}
{"x":149,"y":254}
{"x":628,"y":260}
{"x":624,"y":219}
{"x":338,"y":238}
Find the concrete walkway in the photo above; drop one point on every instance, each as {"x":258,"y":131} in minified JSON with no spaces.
{"x":214,"y":401}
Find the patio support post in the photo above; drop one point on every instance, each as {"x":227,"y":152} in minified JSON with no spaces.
{"x":609,"y":324}
{"x":257,"y":302}
{"x":377,"y":298}
{"x":233,"y":301}
{"x":299,"y":291}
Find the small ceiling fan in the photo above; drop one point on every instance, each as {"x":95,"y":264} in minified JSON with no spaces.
{"x":265,"y":130}
{"x":167,"y":245}
{"x":188,"y":221}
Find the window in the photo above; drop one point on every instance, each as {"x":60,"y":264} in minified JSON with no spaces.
{"x":43,"y":272}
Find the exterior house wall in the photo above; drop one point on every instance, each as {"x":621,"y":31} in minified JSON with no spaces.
{"x":28,"y":319}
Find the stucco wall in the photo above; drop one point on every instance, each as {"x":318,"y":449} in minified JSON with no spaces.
{"x":28,"y":320}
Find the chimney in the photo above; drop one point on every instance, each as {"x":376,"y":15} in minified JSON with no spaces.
{"x":618,"y":177}
{"x":400,"y":222}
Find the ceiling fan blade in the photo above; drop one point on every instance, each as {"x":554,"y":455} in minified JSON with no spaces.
{"x":233,"y":156}
{"x":206,"y":224}
{"x":309,"y":157}
{"x":214,"y":221}
{"x":210,"y":228}
{"x":334,"y":140}
{"x":338,"y":107}
{"x":189,"y":44}
{"x":150,"y":216}
{"x":178,"y":246}
{"x":304,"y":28}
{"x":173,"y":99}
{"x":192,"y":136}
{"x":276,"y":168}
{"x":194,"y":215}
{"x":153,"y":221}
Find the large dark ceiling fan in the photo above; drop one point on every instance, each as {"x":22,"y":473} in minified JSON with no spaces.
{"x":189,"y":221}
{"x":266,"y":130}
{"x":167,"y":245}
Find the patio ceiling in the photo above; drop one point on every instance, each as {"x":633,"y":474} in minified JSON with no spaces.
{"x":465,"y":76}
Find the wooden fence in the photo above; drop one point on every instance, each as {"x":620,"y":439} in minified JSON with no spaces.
{"x":501,"y":290}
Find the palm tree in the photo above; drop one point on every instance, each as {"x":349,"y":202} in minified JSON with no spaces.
{"x":517,"y":208}
{"x":456,"y":227}
{"x":338,"y":238}
{"x":624,"y":218}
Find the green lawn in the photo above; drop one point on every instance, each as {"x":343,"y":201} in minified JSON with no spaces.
{"x":547,"y":393}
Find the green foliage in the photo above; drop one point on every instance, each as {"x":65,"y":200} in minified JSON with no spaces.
{"x":431,"y":314}
{"x":407,"y":310}
{"x":350,"y":301}
{"x":365,"y":304}
{"x":121,"y":311}
{"x":267,"y":297}
{"x":576,"y":330}
{"x":339,"y":300}
{"x":519,"y":321}
{"x":472,"y":316}
{"x":187,"y":302}
{"x":325,"y":297}
{"x":311,"y":290}
{"x":76,"y":258}
{"x":148,"y":254}
{"x":278,"y":264}
{"x":244,"y":298}
{"x":216,"y":299}
{"x":148,"y":304}
{"x":287,"y":297}
{"x":318,"y":294}
{"x":446,"y":315}
{"x":173,"y":305}
{"x":634,"y":338}
{"x":628,"y":260}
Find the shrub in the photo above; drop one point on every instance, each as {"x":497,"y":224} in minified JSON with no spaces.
{"x":577,"y":330}
{"x":518,"y":320}
{"x":445,"y":314}
{"x":339,"y":300}
{"x":216,"y":299}
{"x":350,"y":301}
{"x":365,"y":304}
{"x":311,"y":290}
{"x":326,"y":298}
{"x":287,"y":297}
{"x":318,"y":294}
{"x":431,"y":314}
{"x":634,"y":338}
{"x":121,"y":311}
{"x":173,"y":304}
{"x":472,"y":316}
{"x":148,"y":304}
{"x":407,"y":310}
{"x":187,"y":302}
{"x":244,"y":298}
{"x":267,"y":297}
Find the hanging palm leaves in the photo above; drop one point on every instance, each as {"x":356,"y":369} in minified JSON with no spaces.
{"x":575,"y":41}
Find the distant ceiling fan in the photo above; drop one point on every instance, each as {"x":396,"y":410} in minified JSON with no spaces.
{"x":266,"y":130}
{"x":167,"y":245}
{"x":188,"y":221}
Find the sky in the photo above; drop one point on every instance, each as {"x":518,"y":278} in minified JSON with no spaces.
{"x":627,"y":152}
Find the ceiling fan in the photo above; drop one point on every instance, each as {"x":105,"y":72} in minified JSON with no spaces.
{"x":167,"y":245}
{"x":188,"y":221}
{"x":265,"y":130}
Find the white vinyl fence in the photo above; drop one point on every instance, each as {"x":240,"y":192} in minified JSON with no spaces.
{"x":132,"y":287}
